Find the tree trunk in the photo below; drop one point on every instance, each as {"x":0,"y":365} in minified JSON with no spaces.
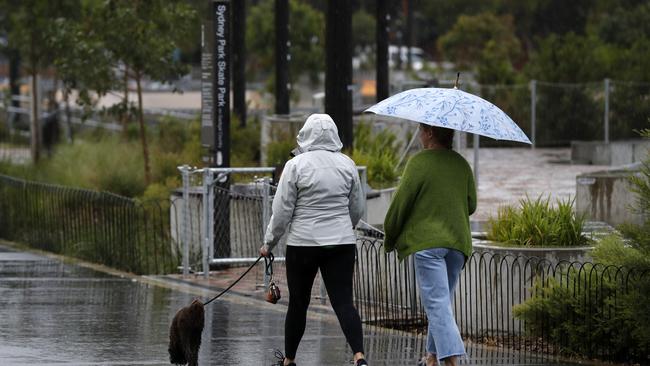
{"x":68,"y":117}
{"x":14,"y":76}
{"x":35,"y":124}
{"x":125,"y":114}
{"x":143,"y":131}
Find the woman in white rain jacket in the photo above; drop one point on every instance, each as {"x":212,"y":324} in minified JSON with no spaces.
{"x":319,"y":200}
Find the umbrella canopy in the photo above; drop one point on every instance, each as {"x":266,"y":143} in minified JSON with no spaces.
{"x":451,"y":108}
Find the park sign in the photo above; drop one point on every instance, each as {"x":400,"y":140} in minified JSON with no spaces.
{"x":215,"y":86}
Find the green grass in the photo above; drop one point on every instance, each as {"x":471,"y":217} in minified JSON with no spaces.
{"x":108,"y":162}
{"x":537,"y":223}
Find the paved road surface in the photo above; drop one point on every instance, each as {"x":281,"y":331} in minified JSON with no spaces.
{"x":63,"y":314}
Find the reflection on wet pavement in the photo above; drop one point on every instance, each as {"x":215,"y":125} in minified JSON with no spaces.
{"x":60,"y":314}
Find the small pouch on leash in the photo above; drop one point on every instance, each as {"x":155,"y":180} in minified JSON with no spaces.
{"x":273,"y":292}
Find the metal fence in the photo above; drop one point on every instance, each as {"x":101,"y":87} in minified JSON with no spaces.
{"x":95,"y":226}
{"x":569,"y":308}
{"x":489,"y":297}
{"x":233,"y":214}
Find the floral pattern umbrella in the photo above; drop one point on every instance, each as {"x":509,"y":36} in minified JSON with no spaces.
{"x":451,"y":108}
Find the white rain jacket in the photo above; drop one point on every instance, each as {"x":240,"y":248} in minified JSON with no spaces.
{"x":319,"y":198}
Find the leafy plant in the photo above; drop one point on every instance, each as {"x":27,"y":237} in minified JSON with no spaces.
{"x":245,"y":142}
{"x":485,"y":42}
{"x":378,"y":152}
{"x":306,"y":32}
{"x":536,"y":223}
{"x":597,"y":310}
{"x":278,"y":152}
{"x":611,"y":311}
{"x":109,"y":163}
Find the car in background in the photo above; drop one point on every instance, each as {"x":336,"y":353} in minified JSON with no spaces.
{"x":397,"y":55}
{"x":364,"y":58}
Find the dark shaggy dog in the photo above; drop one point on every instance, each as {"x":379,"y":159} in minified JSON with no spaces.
{"x":185,"y":334}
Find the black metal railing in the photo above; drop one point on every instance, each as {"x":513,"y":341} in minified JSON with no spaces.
{"x":524,"y":303}
{"x":96,"y":226}
{"x":513,"y":302}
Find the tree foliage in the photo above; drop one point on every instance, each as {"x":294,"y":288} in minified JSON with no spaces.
{"x":484,"y":41}
{"x":363,"y":29}
{"x":306,"y":36}
{"x":28,"y":25}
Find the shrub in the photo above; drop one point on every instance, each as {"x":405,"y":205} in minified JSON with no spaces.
{"x":378,"y":152}
{"x":609,"y":317}
{"x":278,"y":152}
{"x":599,"y":311}
{"x":639,"y":235}
{"x":106,"y":162}
{"x":245,"y":143}
{"x":536,"y":223}
{"x":106,"y":165}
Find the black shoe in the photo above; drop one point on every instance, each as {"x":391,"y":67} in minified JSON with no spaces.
{"x":361,"y":362}
{"x":280,"y":357}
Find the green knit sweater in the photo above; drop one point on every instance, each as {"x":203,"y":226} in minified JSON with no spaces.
{"x":432,"y":204}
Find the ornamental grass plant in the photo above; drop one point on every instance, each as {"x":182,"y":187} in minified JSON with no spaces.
{"x":538,"y":223}
{"x":599,"y":309}
{"x":378,"y":152}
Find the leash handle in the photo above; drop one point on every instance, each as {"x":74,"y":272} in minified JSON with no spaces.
{"x":269,"y":264}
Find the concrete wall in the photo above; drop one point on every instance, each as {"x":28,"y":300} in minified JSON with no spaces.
{"x":377,"y":205}
{"x":549,"y":255}
{"x":605,"y":196}
{"x":615,"y":153}
{"x":497,"y":278}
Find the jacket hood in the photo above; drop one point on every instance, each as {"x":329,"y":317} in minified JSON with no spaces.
{"x":319,"y":133}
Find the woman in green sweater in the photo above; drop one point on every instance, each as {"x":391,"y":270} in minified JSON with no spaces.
{"x":429,"y":217}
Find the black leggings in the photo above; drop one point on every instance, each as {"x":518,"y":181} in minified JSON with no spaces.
{"x":336,"y":264}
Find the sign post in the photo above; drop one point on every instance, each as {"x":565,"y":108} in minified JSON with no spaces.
{"x":215,"y":112}
{"x":221,"y":13}
{"x":215,"y":86}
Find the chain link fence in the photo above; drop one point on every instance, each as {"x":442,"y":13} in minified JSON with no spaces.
{"x":555,"y":113}
{"x":234,"y":209}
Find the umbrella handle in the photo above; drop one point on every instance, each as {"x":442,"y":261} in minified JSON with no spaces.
{"x":457,"y":77}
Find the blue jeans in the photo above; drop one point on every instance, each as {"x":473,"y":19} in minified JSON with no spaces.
{"x":437,"y":271}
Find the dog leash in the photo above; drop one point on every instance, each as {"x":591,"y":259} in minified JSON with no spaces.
{"x":268,"y":261}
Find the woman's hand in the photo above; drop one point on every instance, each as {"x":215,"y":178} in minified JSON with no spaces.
{"x":264,"y":250}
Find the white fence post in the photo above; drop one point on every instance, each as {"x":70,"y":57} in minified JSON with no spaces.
{"x":266,"y":217}
{"x":207,"y":221}
{"x":185,"y":171}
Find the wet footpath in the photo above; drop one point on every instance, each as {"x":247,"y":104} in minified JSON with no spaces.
{"x":57,"y":312}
